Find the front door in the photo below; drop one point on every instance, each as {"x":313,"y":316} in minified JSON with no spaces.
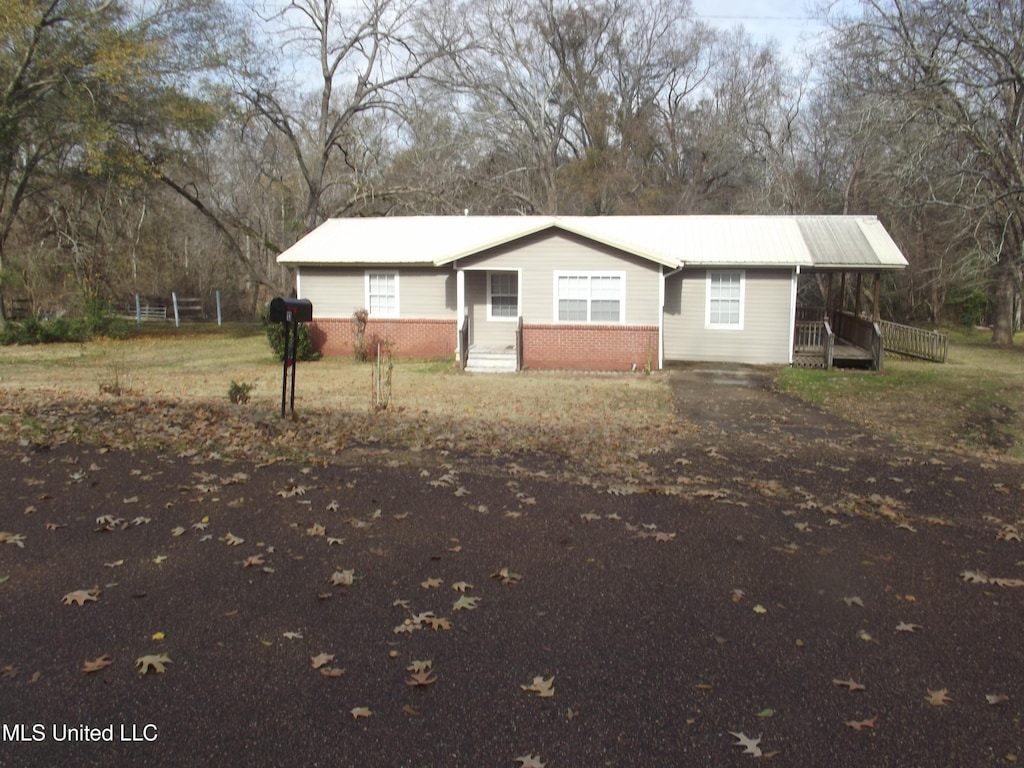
{"x":494,"y":300}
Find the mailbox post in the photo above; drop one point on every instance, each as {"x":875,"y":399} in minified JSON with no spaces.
{"x":291,"y":312}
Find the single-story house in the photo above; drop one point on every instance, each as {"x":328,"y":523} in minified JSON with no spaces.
{"x":584,"y":292}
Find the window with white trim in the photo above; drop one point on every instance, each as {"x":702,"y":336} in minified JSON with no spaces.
{"x":382,"y":293}
{"x":503,"y":295}
{"x":725,"y":289}
{"x":590,"y":297}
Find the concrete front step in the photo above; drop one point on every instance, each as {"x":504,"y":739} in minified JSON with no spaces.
{"x":491,"y":361}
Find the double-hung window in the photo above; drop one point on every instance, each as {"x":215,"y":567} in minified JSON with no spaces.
{"x":382,"y":293}
{"x":503,"y":293}
{"x":590,"y":297}
{"x":725,"y":290}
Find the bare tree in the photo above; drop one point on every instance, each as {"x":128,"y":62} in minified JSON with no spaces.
{"x":950,"y":73}
{"x":361,"y":60}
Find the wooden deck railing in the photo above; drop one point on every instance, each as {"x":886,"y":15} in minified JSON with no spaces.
{"x":464,"y":341}
{"x":914,"y":342}
{"x":813,"y":344}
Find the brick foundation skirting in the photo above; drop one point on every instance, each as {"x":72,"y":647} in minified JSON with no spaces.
{"x":552,"y":347}
{"x":408,"y":338}
{"x":590,"y":347}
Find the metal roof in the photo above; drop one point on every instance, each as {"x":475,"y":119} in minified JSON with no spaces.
{"x":843,"y":242}
{"x":849,"y":242}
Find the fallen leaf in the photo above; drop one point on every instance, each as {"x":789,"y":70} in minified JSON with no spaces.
{"x":177,"y":531}
{"x":81,"y":596}
{"x":16,"y":539}
{"x":431,"y":583}
{"x":851,"y":601}
{"x":506,"y":576}
{"x":115,"y":564}
{"x":152,"y":663}
{"x":860,"y":725}
{"x":420,"y":678}
{"x":749,"y":745}
{"x":158,"y":636}
{"x":343,"y":578}
{"x":331,"y":672}
{"x":543,"y":688}
{"x":465,"y":603}
{"x":358,"y":712}
{"x":996,"y":698}
{"x":231,"y":540}
{"x":97,"y":664}
{"x":938,"y":698}
{"x":321,"y":660}
{"x":461,"y":586}
{"x":760,"y":609}
{"x":850,"y":685}
{"x":292,"y":635}
{"x":905,"y":627}
{"x":530,"y":761}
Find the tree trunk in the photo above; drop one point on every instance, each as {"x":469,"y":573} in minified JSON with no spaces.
{"x":1006,"y":284}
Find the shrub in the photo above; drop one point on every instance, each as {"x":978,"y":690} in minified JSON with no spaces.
{"x":239,"y":392}
{"x":98,"y":320}
{"x":276,"y":337}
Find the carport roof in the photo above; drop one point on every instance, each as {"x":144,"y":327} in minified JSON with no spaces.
{"x":826,"y":242}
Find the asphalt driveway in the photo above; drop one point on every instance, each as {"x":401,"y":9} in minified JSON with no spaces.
{"x":780,"y":586}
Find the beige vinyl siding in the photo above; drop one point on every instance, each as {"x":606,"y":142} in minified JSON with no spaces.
{"x":767,"y":309}
{"x":540,"y":256}
{"x":424,"y":293}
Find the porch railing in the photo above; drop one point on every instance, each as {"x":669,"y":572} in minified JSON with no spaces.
{"x":464,"y":341}
{"x":914,"y":342}
{"x":813,"y":344}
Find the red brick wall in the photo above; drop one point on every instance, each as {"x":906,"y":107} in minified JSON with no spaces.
{"x":408,"y":338}
{"x":590,"y":347}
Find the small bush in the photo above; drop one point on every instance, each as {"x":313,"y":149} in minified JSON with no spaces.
{"x":239,"y":392}
{"x":276,"y":337}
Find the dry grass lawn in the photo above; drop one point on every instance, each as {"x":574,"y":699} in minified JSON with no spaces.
{"x":974,"y":402}
{"x":572,"y":415}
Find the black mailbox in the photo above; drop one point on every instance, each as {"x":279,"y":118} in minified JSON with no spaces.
{"x":291,"y":310}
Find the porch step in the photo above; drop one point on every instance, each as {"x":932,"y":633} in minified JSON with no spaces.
{"x":491,"y":361}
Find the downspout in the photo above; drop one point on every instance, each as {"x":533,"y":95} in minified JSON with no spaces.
{"x":661,"y":315}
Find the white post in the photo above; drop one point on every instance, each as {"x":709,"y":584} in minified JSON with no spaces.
{"x":174,"y":301}
{"x":217,"y":294}
{"x":460,"y":310}
{"x":138,"y":311}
